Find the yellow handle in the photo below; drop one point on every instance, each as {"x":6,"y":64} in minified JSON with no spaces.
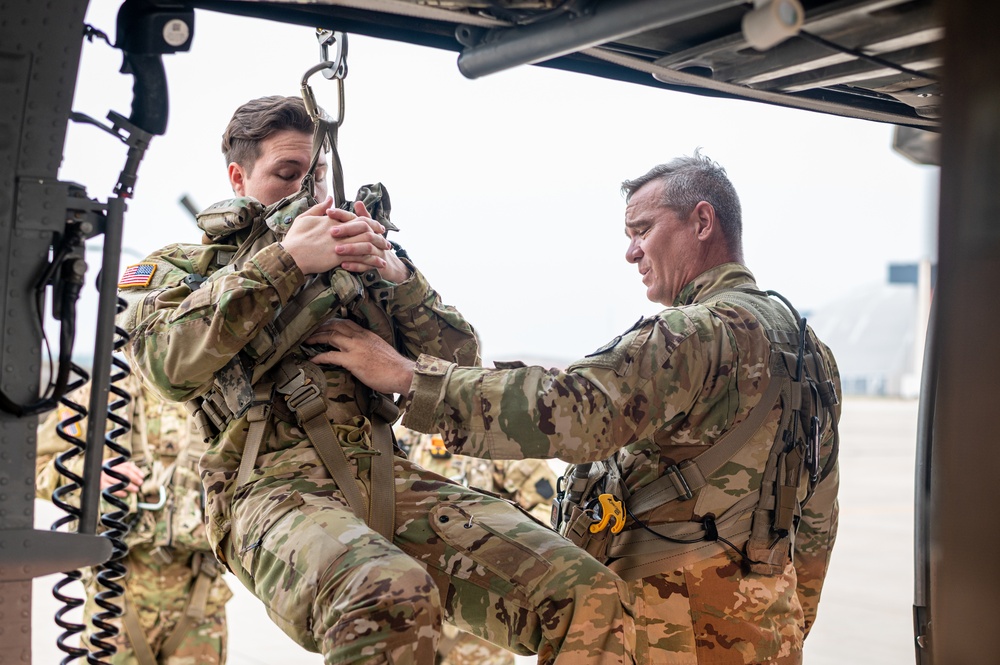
{"x":610,"y":508}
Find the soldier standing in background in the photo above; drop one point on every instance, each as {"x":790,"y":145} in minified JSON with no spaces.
{"x":175,"y":595}
{"x":530,"y":483}
{"x":706,"y":435}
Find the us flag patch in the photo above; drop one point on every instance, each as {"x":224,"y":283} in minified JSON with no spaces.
{"x":138,"y":275}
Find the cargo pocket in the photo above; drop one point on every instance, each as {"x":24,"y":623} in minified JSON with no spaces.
{"x":515,"y":567}
{"x":250,"y":530}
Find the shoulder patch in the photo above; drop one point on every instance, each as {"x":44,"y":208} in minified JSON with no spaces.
{"x":140,"y":274}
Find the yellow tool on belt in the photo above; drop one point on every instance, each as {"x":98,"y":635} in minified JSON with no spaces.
{"x":609,"y":508}
{"x":438,"y":449}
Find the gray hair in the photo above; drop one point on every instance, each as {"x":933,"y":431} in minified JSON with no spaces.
{"x":689,"y":180}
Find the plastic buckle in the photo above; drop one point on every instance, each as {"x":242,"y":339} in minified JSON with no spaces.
{"x":299,"y":390}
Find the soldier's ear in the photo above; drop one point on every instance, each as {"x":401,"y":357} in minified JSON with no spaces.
{"x":703,"y":216}
{"x":237,"y":179}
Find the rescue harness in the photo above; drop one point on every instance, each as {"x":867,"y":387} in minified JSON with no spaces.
{"x":759,"y":526}
{"x":266,"y":368}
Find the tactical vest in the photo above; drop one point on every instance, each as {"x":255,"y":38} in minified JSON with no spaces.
{"x":761,"y":524}
{"x":270,"y":364}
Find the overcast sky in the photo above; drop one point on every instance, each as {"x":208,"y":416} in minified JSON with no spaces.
{"x":506,"y":189}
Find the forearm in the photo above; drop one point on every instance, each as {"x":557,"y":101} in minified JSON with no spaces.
{"x":527,"y":412}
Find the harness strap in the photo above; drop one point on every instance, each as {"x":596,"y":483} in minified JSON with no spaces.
{"x":682,"y":480}
{"x":136,"y":635}
{"x":382,"y":509}
{"x":641,"y":553}
{"x":206,"y":569}
{"x":305,"y":397}
{"x":257,"y":418}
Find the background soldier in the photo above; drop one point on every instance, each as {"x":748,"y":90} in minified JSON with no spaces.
{"x":355,"y":552}
{"x":174,"y":592}
{"x":530,"y":483}
{"x":717,"y":418}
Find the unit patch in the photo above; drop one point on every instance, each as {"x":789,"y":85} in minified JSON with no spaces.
{"x":138,"y":275}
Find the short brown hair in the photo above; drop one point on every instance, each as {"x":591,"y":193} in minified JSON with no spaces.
{"x":258,"y":119}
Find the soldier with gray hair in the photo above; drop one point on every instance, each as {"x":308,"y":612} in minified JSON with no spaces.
{"x":704,"y":437}
{"x":357,"y":552}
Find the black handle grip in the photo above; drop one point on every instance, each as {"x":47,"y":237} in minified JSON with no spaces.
{"x":149,"y":92}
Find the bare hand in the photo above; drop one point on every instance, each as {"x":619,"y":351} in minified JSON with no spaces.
{"x":129,"y":470}
{"x":318,"y":237}
{"x":391,"y":269}
{"x":365,"y":355}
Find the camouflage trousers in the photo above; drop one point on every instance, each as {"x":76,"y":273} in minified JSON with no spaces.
{"x":159,"y":592}
{"x":458,"y":647}
{"x":337,"y":587}
{"x":711,"y":612}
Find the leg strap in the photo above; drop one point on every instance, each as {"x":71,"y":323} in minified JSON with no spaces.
{"x":382,"y":511}
{"x":136,"y":635}
{"x":206,"y":569}
{"x":305,"y":396}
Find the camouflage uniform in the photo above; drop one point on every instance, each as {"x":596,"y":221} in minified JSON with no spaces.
{"x":328,"y":580}
{"x":530,"y":483}
{"x":655,"y":396}
{"x":165,"y":546}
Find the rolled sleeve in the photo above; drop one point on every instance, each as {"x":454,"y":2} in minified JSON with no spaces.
{"x":430,"y":381}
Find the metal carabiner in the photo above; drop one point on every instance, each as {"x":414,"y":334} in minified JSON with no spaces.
{"x":309,"y":98}
{"x":142,"y":505}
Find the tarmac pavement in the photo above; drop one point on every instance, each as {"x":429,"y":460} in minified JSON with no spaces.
{"x":865,"y":614}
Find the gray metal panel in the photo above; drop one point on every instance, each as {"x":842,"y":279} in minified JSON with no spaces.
{"x":39,"y":56}
{"x":965,"y":494}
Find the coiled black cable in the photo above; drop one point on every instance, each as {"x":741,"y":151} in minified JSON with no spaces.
{"x":61,"y":497}
{"x":112,"y":571}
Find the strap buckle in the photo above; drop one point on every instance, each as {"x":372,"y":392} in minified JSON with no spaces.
{"x":299,"y":391}
{"x":680,"y":482}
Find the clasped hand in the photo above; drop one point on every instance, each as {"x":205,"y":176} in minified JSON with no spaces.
{"x":325,"y":237}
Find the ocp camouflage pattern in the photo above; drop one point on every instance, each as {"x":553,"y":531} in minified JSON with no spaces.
{"x":656,"y":396}
{"x":329,"y":581}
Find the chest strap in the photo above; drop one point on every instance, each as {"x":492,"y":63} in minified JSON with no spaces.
{"x":681,"y":481}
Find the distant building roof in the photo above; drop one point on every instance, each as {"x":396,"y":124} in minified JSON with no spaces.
{"x":871,"y":331}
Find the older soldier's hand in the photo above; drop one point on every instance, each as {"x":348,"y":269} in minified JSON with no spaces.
{"x":365,"y":355}
{"x":322,"y":237}
{"x":393,"y":269}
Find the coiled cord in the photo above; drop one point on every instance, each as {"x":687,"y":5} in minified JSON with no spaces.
{"x":113,"y":570}
{"x":61,"y":498}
